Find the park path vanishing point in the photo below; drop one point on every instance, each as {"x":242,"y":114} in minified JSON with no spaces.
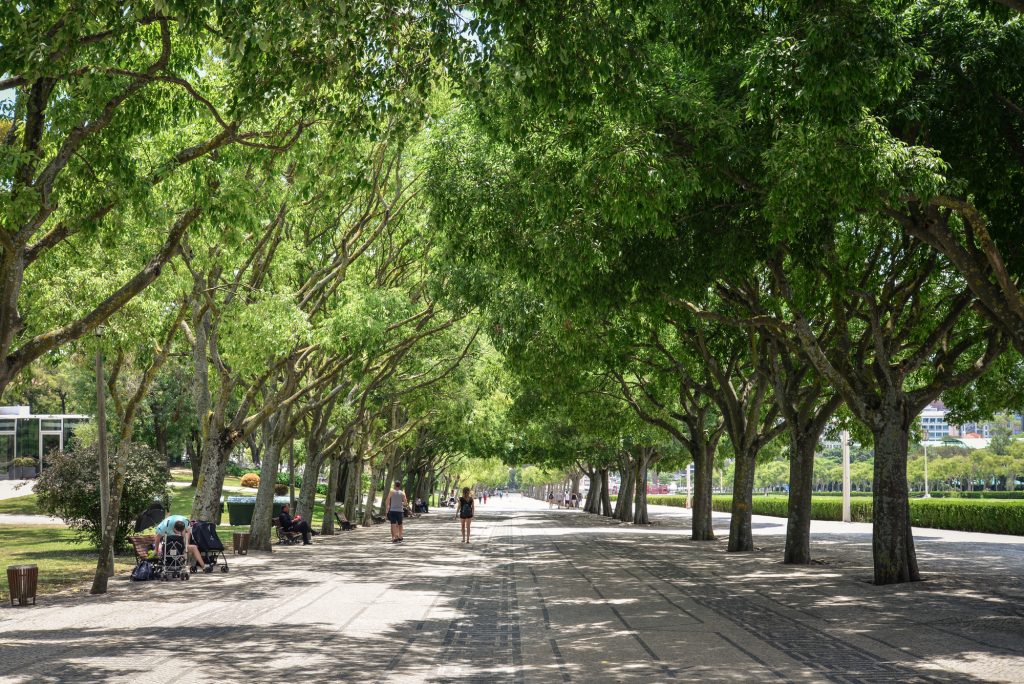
{"x":544,"y":596}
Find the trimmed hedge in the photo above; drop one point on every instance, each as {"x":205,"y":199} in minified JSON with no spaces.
{"x":978,"y":495}
{"x":968,"y":515}
{"x":852,"y":494}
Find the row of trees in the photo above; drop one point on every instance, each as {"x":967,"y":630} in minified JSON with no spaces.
{"x":742,"y":223}
{"x":231,"y":195}
{"x":689,"y":229}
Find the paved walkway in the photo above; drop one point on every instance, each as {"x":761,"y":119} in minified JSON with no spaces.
{"x":10,"y":489}
{"x":543,"y":596}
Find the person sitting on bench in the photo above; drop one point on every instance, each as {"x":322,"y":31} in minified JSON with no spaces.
{"x":292,"y":525}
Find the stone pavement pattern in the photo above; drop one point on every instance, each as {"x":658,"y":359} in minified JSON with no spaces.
{"x":544,"y":596}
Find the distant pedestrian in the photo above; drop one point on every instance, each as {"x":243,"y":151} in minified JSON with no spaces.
{"x":465,"y":510}
{"x":551,"y":499}
{"x":397,"y":502}
{"x":575,"y":500}
{"x":485,"y":496}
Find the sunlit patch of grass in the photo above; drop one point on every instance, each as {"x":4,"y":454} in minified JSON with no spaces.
{"x":21,"y":505}
{"x":63,"y":563}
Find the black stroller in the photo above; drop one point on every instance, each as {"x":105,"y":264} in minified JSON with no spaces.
{"x":173,"y":560}
{"x":204,"y":536}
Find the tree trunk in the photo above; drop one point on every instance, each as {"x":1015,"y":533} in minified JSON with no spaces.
{"x":798,"y":525}
{"x":194,"y":460}
{"x":702,"y":523}
{"x":606,"y":495}
{"x":327,"y":526}
{"x":105,"y":565}
{"x":640,"y":516}
{"x":892,"y":540}
{"x":370,"y":496}
{"x":211,"y":476}
{"x":344,"y":472}
{"x":624,"y":502}
{"x":740,"y":532}
{"x":354,"y":486}
{"x":259,"y":530}
{"x":387,"y":485}
{"x":592,"y":502}
{"x":307,"y":493}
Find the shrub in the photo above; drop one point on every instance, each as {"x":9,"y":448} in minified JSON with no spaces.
{"x":978,"y":495}
{"x":235,"y":470}
{"x":280,"y":489}
{"x":69,"y":489}
{"x":22,"y":462}
{"x":971,"y":515}
{"x":251,"y":480}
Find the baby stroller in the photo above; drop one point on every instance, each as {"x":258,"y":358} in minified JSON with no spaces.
{"x":173,"y":560}
{"x":204,"y":536}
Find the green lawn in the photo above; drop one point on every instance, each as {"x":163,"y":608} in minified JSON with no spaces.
{"x":185,"y":475}
{"x":21,"y":505}
{"x":62,"y":562}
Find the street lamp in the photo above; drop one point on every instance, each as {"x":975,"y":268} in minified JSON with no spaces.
{"x":924,"y":443}
{"x":689,"y":486}
{"x":844,"y":437}
{"x":101,"y":427}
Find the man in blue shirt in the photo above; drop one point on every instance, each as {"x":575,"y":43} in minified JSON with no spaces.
{"x":181,"y":526}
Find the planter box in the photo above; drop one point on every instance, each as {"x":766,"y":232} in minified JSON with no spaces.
{"x":241,"y":508}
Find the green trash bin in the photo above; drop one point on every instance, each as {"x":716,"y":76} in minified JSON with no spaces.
{"x":241,"y":508}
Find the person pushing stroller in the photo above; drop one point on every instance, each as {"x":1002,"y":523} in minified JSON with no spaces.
{"x":180,"y":526}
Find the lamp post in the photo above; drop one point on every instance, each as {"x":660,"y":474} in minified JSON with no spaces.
{"x":924,"y":444}
{"x":101,"y":428}
{"x":689,"y":486}
{"x":844,"y":437}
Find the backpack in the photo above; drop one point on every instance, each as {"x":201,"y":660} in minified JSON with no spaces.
{"x":466,"y":509}
{"x":142,"y":572}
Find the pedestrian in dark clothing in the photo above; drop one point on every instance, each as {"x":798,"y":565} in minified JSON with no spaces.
{"x":465,"y":511}
{"x":294,"y":525}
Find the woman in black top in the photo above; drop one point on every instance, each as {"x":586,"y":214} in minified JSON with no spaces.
{"x":465,"y":509}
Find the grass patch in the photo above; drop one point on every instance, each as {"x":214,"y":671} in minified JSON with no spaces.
{"x":62,"y":562}
{"x":185,"y":475}
{"x":21,"y":505}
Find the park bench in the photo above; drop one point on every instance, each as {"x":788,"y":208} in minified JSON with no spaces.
{"x":142,"y":544}
{"x":283,"y":536}
{"x":345,"y":523}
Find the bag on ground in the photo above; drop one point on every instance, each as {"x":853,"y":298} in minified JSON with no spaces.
{"x":142,"y":572}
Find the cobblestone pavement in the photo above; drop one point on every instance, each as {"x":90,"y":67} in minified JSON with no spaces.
{"x":544,"y":596}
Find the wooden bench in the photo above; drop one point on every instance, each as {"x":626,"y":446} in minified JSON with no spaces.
{"x":345,"y":523}
{"x":284,"y":537}
{"x":142,"y":544}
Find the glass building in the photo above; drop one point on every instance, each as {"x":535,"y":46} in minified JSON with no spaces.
{"x":26,"y":439}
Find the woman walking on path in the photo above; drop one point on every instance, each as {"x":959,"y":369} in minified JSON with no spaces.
{"x":465,"y":509}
